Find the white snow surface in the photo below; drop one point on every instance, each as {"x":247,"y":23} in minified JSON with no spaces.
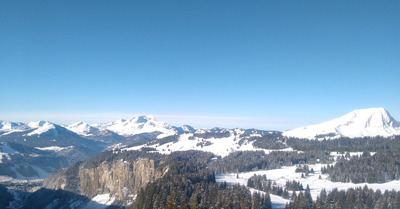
{"x":7,"y":126}
{"x":218,"y":146}
{"x":280,"y":176}
{"x":81,"y":128}
{"x":41,"y":175}
{"x":100,"y":201}
{"x":359,"y":123}
{"x":5,"y":151}
{"x":138,"y":125}
{"x":42,"y":127}
{"x":54,"y":148}
{"x":37,"y":124}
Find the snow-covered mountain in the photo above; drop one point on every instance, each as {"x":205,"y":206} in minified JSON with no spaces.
{"x":82,"y":128}
{"x":185,"y":129}
{"x":85,"y":130}
{"x":7,"y":126}
{"x":40,"y":147}
{"x":42,"y":127}
{"x":359,"y":123}
{"x":139,"y":125}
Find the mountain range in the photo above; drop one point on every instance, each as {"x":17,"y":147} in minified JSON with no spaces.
{"x":33,"y":150}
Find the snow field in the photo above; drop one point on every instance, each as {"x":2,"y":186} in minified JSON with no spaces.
{"x":280,"y":176}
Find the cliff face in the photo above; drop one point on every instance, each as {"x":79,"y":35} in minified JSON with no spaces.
{"x":121,"y":178}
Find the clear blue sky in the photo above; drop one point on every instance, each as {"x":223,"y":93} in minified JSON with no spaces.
{"x":262,"y":64}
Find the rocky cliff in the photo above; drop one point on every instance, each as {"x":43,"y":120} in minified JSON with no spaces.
{"x":120,"y":176}
{"x":123,"y":178}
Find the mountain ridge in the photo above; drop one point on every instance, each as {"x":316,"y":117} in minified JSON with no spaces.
{"x":358,"y":123}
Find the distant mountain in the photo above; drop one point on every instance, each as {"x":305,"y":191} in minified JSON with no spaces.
{"x":40,"y":148}
{"x":359,"y":123}
{"x":42,"y":127}
{"x":7,"y":126}
{"x":87,"y":131}
{"x":185,"y":129}
{"x":32,"y":150}
{"x":139,"y":125}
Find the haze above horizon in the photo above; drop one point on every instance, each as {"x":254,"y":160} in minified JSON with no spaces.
{"x":273,"y":65}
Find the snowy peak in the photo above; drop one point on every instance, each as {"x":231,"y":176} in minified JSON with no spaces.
{"x":359,"y":123}
{"x":35,"y":127}
{"x":37,"y":124}
{"x":373,"y":117}
{"x":139,"y":125}
{"x":143,"y":119}
{"x":81,"y":128}
{"x":94,"y":132}
{"x":6,"y":126}
{"x":42,"y":127}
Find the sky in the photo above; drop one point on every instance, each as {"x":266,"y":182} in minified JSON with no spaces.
{"x":272,"y":65}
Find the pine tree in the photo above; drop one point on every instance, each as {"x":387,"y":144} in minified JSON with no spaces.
{"x":256,"y":201}
{"x":171,"y":204}
{"x":307,"y":194}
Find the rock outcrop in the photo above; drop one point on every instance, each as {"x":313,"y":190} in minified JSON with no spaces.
{"x":123,"y":178}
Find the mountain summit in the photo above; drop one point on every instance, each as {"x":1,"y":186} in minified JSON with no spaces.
{"x":358,"y":123}
{"x":138,"y":125}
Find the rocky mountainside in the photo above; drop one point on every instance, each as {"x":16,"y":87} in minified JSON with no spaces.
{"x":120,"y":175}
{"x":359,"y":123}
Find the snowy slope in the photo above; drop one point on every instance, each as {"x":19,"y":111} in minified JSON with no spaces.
{"x":358,"y":123}
{"x":41,"y":127}
{"x":139,"y":125}
{"x":84,"y":129}
{"x":7,"y":126}
{"x":221,"y":142}
{"x":43,"y":146}
{"x":90,"y":132}
{"x":81,"y":128}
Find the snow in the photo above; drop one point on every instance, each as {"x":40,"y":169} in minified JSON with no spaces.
{"x":139,"y":125}
{"x":81,"y":128}
{"x":100,"y":201}
{"x":6,"y":178}
{"x":22,"y":179}
{"x":278,"y":202}
{"x":359,"y":123}
{"x":5,"y":151}
{"x":3,"y":155}
{"x":8,"y":126}
{"x":41,"y":175}
{"x":37,"y":124}
{"x":230,"y":179}
{"x":42,"y":127}
{"x":54,"y":148}
{"x":280,"y":176}
{"x":218,"y":146}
